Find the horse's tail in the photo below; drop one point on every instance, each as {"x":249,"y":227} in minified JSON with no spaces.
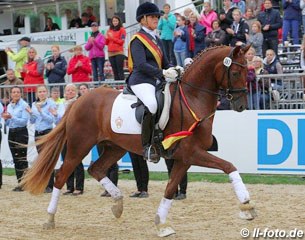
{"x":37,"y":177}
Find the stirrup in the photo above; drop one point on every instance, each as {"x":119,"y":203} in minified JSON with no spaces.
{"x":151,"y":155}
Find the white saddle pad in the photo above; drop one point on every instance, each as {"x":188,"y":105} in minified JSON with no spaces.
{"x":123,"y":119}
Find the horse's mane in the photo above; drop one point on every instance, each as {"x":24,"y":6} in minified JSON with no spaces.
{"x":200,"y":54}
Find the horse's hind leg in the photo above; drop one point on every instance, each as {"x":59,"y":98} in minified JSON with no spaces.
{"x":110,"y":155}
{"x":76,"y":151}
{"x":178,"y":171}
{"x":204,"y":159}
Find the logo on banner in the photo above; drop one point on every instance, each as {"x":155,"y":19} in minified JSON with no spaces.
{"x":281,"y":141}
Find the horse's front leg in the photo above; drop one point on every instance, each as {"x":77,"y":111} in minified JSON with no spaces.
{"x":177,"y":173}
{"x":204,"y":159}
{"x":110,"y":155}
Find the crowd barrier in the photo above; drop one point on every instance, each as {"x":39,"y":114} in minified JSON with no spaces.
{"x":277,"y":91}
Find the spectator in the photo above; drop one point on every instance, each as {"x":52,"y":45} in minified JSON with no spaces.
{"x":21,"y":56}
{"x":51,"y":26}
{"x":115,"y":39}
{"x":228,"y":9}
{"x":292,"y":13}
{"x":256,"y":38}
{"x":271,"y":22}
{"x":302,"y":6}
{"x":95,"y":46}
{"x":264,"y":102}
{"x":239,"y":31}
{"x":83,"y":89}
{"x":195,"y":37}
{"x":16,"y":118}
{"x":252,"y":85}
{"x":12,"y":80}
{"x":141,"y":174}
{"x":181,"y":194}
{"x":32,"y":73}
{"x":43,"y":121}
{"x":271,"y":63}
{"x":89,"y":11}
{"x":56,"y":68}
{"x":86,"y":22}
{"x":79,"y":173}
{"x":241,"y":5}
{"x":55,"y":95}
{"x":273,"y":66}
{"x":225,"y":24}
{"x":186,"y":14}
{"x":217,"y":36}
{"x":166,"y":25}
{"x":249,"y":18}
{"x":208,"y":15}
{"x":76,"y":22}
{"x":179,"y":43}
{"x":255,"y":5}
{"x":79,"y":66}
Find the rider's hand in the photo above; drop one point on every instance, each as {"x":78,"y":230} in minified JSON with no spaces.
{"x":170,"y":74}
{"x":179,"y":69}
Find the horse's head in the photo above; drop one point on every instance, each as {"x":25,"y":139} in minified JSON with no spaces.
{"x":232,"y":78}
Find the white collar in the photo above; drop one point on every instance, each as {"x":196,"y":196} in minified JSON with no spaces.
{"x":151,"y":32}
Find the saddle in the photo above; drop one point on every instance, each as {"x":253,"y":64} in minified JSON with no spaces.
{"x":162,"y":115}
{"x":139,"y":106}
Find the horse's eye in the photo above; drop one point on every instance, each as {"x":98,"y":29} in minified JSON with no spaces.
{"x":235,"y":74}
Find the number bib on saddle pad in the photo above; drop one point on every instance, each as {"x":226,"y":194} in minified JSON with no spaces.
{"x":123,"y":118}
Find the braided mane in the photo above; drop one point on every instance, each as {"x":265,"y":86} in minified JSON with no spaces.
{"x":202,"y":52}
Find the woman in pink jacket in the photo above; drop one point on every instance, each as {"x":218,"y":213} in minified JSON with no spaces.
{"x":207,"y":17}
{"x":95,"y":46}
{"x":79,"y":66}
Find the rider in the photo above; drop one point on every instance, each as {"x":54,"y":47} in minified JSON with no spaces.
{"x":146,"y":62}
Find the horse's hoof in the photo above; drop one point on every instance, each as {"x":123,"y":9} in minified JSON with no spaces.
{"x":164,"y":230}
{"x":117,"y":209}
{"x":48,"y":225}
{"x":247,"y":211}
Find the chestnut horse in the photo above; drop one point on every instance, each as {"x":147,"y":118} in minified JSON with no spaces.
{"x":87,"y":123}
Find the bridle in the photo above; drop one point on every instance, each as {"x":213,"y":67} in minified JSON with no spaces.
{"x":230,"y":91}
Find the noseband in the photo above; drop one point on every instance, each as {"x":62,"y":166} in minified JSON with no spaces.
{"x":227,"y":62}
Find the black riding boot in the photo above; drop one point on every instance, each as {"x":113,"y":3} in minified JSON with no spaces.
{"x":150,"y":152}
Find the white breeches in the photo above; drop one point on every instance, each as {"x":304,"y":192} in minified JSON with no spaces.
{"x":147,"y":94}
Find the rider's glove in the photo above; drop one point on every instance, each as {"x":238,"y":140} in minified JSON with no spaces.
{"x":180,"y":69}
{"x":170,"y":74}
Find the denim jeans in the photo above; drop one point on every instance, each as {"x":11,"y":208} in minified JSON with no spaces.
{"x":180,"y":56}
{"x":291,"y":26}
{"x":98,"y":68}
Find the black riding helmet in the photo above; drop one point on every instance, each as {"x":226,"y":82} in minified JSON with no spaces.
{"x":147,"y":9}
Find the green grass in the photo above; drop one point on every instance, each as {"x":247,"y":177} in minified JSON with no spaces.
{"x":210,"y":177}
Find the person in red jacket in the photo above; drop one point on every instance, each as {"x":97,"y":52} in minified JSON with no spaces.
{"x":79,"y":66}
{"x":32,"y":73}
{"x":115,"y":39}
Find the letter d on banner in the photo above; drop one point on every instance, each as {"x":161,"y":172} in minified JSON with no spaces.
{"x":262,"y":141}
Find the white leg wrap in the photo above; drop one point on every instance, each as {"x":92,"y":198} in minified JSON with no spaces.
{"x":54,"y":201}
{"x":111,"y":188}
{"x":239,"y":187}
{"x":163,"y":209}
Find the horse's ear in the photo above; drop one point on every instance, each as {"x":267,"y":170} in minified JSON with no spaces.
{"x":236,"y":50}
{"x":246,"y":48}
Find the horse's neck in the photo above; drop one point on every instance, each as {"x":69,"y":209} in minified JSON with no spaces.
{"x":202,"y":91}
